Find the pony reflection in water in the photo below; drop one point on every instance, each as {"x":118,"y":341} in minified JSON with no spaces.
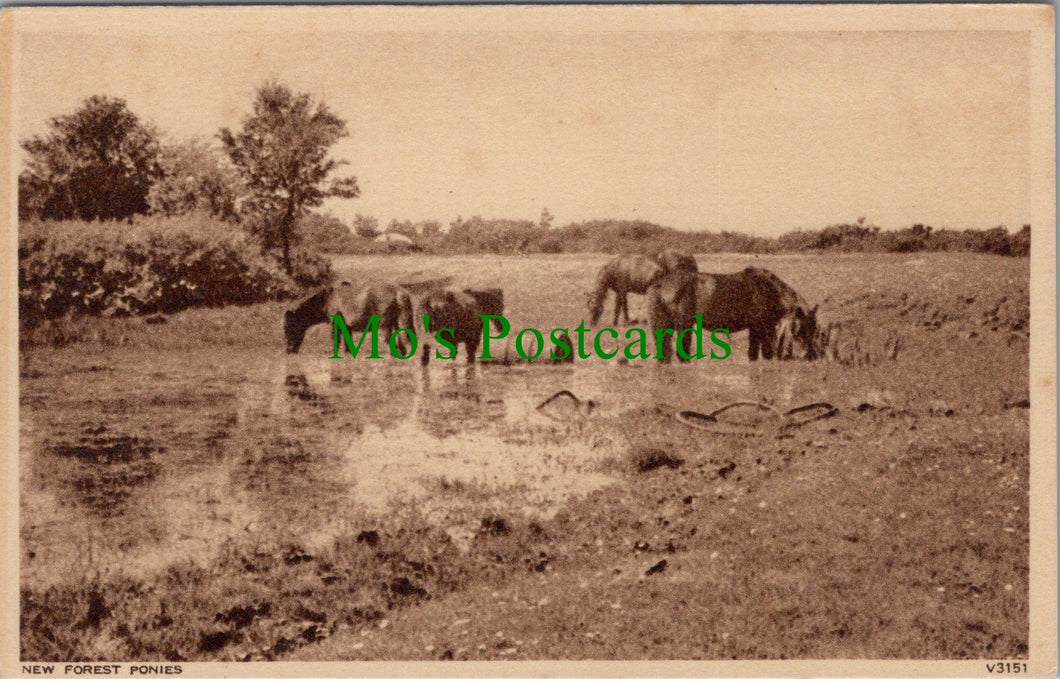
{"x":356,"y":305}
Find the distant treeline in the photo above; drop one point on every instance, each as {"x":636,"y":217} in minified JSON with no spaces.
{"x":505,"y":236}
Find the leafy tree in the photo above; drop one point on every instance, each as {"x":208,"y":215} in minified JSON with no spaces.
{"x":282,"y":156}
{"x":365,"y":227}
{"x":546,"y":219}
{"x":326,"y":233}
{"x":430,"y":228}
{"x":194,"y":178}
{"x":96,"y":163}
{"x":405,"y":228}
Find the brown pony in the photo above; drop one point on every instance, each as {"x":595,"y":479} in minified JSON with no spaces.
{"x":625,"y":274}
{"x":674,"y":260}
{"x":633,"y":273}
{"x":461,"y":312}
{"x":754,"y":299}
{"x":356,"y":305}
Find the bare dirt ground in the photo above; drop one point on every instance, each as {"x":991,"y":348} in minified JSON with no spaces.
{"x":189,"y":492}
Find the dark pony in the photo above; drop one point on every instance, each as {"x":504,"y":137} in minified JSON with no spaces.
{"x":356,"y":305}
{"x":461,"y":312}
{"x":490,"y":303}
{"x":754,"y":299}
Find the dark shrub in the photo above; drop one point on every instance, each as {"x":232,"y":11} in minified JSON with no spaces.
{"x":149,"y":266}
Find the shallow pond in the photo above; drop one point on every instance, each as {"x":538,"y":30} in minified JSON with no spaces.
{"x":134,"y":460}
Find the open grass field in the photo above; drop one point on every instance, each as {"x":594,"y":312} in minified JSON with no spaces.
{"x":191,"y":492}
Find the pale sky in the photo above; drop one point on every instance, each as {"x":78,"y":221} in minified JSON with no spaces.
{"x":758,"y":132}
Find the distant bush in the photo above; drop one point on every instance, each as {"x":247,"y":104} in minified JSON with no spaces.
{"x":365,"y":226}
{"x":325,"y":233}
{"x":1020,"y":243}
{"x":499,"y":236}
{"x":149,"y":266}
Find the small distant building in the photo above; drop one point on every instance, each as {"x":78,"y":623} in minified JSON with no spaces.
{"x":397,"y":241}
{"x":391,"y":237}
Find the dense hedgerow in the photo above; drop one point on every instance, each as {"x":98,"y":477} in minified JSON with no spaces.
{"x":151,"y":265}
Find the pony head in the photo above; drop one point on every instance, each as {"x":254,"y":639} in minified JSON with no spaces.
{"x":804,"y":329}
{"x":798,"y":326}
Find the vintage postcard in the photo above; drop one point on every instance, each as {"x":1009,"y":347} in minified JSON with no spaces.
{"x":528,"y":340}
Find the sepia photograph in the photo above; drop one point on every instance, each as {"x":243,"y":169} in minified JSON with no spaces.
{"x":529,"y":340}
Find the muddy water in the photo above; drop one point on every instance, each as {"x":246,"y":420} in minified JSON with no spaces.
{"x":153,"y":460}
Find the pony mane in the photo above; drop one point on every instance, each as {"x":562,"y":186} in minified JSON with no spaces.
{"x":789,"y":298}
{"x":315,"y":304}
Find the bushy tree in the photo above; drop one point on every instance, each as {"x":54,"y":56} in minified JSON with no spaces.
{"x":96,"y":163}
{"x":326,"y":233}
{"x":195,"y":178}
{"x":430,"y":228}
{"x":405,"y":228}
{"x":365,"y":226}
{"x":282,"y":155}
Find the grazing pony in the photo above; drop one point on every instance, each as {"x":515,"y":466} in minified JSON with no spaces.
{"x":460,"y":311}
{"x":634,"y":273}
{"x":625,"y":274}
{"x":754,"y":299}
{"x":356,"y":305}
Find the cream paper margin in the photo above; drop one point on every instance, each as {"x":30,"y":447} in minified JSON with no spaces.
{"x":1036,"y":20}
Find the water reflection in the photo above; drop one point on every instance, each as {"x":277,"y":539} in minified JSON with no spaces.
{"x":304,"y":445}
{"x":457,"y":400}
{"x":352,"y":394}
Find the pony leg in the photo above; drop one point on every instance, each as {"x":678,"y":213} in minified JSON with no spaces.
{"x":766,"y":346}
{"x":784,"y":349}
{"x":752,"y":348}
{"x":663,"y":344}
{"x":386,"y":334}
{"x":393,"y":321}
{"x":686,"y":343}
{"x":596,"y":304}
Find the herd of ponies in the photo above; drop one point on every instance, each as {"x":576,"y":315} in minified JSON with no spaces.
{"x":781,"y":324}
